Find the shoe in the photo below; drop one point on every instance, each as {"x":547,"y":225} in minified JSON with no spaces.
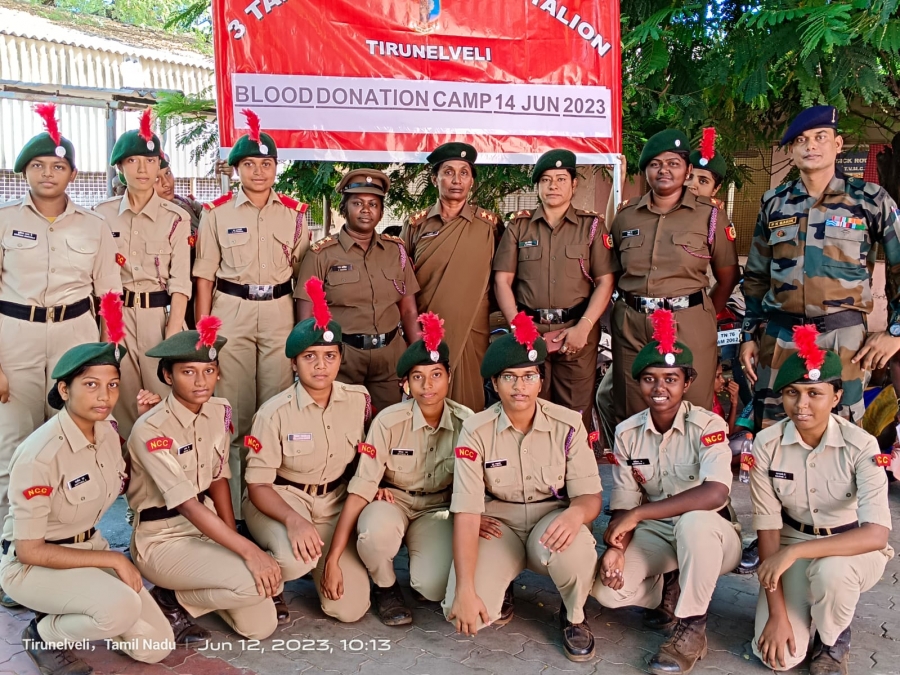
{"x":390,"y":605}
{"x":749,"y":559}
{"x":51,"y":661}
{"x":508,"y":609}
{"x":187,"y":633}
{"x":7,"y":601}
{"x":663,"y":617}
{"x":578,"y":640}
{"x":679,"y":654}
{"x":281,"y":609}
{"x":830,"y":660}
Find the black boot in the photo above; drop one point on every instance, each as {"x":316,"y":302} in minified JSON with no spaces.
{"x":507,"y":610}
{"x":7,"y":601}
{"x":281,"y":609}
{"x":578,"y":640}
{"x":187,"y":633}
{"x":390,"y":605}
{"x":663,"y":617}
{"x":749,"y":559}
{"x":679,"y":654}
{"x":830,"y":660}
{"x":51,"y":661}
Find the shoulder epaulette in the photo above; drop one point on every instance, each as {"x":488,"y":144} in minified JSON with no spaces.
{"x":391,"y":237}
{"x":561,"y":413}
{"x":585,"y":212}
{"x":706,"y":201}
{"x":418,"y":217}
{"x":323,"y":243}
{"x":624,"y":204}
{"x":524,"y":213}
{"x":355,"y":388}
{"x":224,"y":199}
{"x":176,"y":209}
{"x":479,"y":419}
{"x":458,"y":409}
{"x":774,"y":192}
{"x":718,"y":202}
{"x":636,"y":420}
{"x":700,"y":417}
{"x":395,"y":414}
{"x":292,"y":203}
{"x":115,"y":198}
{"x":486,"y":215}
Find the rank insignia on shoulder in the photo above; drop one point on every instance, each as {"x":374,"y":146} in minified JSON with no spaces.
{"x":466,"y":453}
{"x":712,"y":439}
{"x":367,"y":449}
{"x":523,"y":213}
{"x":882,"y":459}
{"x":622,"y":205}
{"x":611,"y":458}
{"x":730,"y":233}
{"x":37,"y":491}
{"x":120,"y":260}
{"x":160,"y":443}
{"x":608,"y":241}
{"x":253,"y":443}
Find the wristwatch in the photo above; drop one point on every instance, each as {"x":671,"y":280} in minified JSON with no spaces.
{"x":894,"y":329}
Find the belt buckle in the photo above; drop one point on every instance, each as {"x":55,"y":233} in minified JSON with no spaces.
{"x":549,"y":316}
{"x":650,"y":304}
{"x":310,"y":489}
{"x":376,"y":340}
{"x":51,"y":314}
{"x":78,"y":538}
{"x":681,"y":302}
{"x":261,"y":292}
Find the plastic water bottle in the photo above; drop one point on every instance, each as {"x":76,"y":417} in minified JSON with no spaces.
{"x":747,"y":459}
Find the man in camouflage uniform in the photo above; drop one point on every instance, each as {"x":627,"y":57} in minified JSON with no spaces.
{"x":807,"y":264}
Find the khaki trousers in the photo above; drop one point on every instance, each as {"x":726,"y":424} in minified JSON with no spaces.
{"x":631,"y":330}
{"x":569,"y":379}
{"x":323,"y":513}
{"x":144,"y":329}
{"x":205,"y":576}
{"x":28,"y":354}
{"x":425,"y":525}
{"x":376,"y":369}
{"x":500,"y":560}
{"x":702,"y":545}
{"x":89,"y":603}
{"x":253,"y":368}
{"x":824,"y":591}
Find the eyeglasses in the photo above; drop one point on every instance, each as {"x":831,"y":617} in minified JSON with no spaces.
{"x":529,"y":378}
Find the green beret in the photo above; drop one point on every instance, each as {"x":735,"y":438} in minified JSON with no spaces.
{"x":650,"y":357}
{"x":364,"y":181}
{"x":417,"y":355}
{"x":667,"y":140}
{"x":43,"y":145}
{"x":247,"y":148}
{"x":508,"y":353}
{"x":130,"y":144}
{"x":89,"y":354}
{"x":715,"y":165}
{"x":449,"y":151}
{"x":163,"y":160}
{"x":182,"y":348}
{"x":794,"y":370}
{"x":305,"y":335}
{"x":553,"y":159}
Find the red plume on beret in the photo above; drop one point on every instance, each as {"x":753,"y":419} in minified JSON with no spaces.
{"x":144,"y":130}
{"x":111,"y":312}
{"x":432,"y":330}
{"x":524,"y":329}
{"x":807,"y":349}
{"x":47,"y":111}
{"x":208,"y":327}
{"x":663,"y":321}
{"x":252,"y":123}
{"x":316,"y":292}
{"x":708,"y":144}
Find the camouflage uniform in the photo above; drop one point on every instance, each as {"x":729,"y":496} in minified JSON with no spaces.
{"x":808,"y":261}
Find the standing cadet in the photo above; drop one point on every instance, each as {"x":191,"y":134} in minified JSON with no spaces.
{"x":53,"y":256}
{"x":555,"y":264}
{"x":64,"y":478}
{"x":371,"y":288}
{"x":452,"y":246}
{"x":807,"y":265}
{"x":531,"y":457}
{"x":820,"y":506}
{"x":249,"y":251}
{"x":666,"y":243}
{"x":406,"y":467}
{"x":184,"y":538}
{"x":154,"y":256}
{"x":304,"y":451}
{"x":670,"y":536}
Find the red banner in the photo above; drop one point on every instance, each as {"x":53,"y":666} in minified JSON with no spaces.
{"x":388,"y":80}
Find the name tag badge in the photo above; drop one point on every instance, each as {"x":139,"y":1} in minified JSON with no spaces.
{"x":496,"y":464}
{"x":237,"y":230}
{"x":784,"y":222}
{"x":403,"y":452}
{"x":630,"y":233}
{"x":341,"y":268}
{"x":299,"y":437}
{"x":22,"y":234}
{"x":638,"y":462}
{"x":783,"y":475}
{"x":531,"y":243}
{"x":185,"y":448}
{"x":116,"y":235}
{"x":81,"y":480}
{"x":426,"y":235}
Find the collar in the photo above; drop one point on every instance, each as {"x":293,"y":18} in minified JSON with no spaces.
{"x":151,"y":209}
{"x":419,"y":419}
{"x":242,"y":198}
{"x":688,"y":199}
{"x":836,"y":186}
{"x":677,"y":424}
{"x":540,"y":423}
{"x":184,"y":416}
{"x":831,"y":438}
{"x":348,"y":242}
{"x":467,"y":211}
{"x":29,"y":202}
{"x":304,"y":400}
{"x":74,"y":436}
{"x":569,"y":215}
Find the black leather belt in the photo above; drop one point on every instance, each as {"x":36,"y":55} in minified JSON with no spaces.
{"x":817,"y":531}
{"x":550,"y":316}
{"x":45,"y":314}
{"x":254,"y":291}
{"x":646,"y":305}
{"x":77,"y":539}
{"x":312,"y":489}
{"x":162,"y":513}
{"x":363,"y":341}
{"x":845,"y":319}
{"x":146,"y":300}
{"x":412,"y":493}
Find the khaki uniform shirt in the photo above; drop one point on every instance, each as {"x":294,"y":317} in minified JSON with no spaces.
{"x":246,"y":245}
{"x":176,"y":454}
{"x":833,"y":484}
{"x":406,"y":452}
{"x":295,"y":438}
{"x":665,"y":255}
{"x":555,"y":267}
{"x":153,"y":244}
{"x":60,"y":484}
{"x":693,"y":451}
{"x":493,"y":457}
{"x":363,"y":287}
{"x":49,"y":264}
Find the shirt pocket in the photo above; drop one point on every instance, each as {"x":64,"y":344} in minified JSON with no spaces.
{"x":641,"y":471}
{"x":235,"y":246}
{"x":80,"y":499}
{"x":554,"y":477}
{"x":785,"y":490}
{"x":575,"y":254}
{"x":842,"y":491}
{"x":219,"y":459}
{"x":693,"y":243}
{"x":500,"y":476}
{"x":299,"y":452}
{"x":688,"y":475}
{"x":529,"y":263}
{"x":160,"y":249}
{"x":11,"y":243}
{"x":82,"y":252}
{"x":843,"y":247}
{"x":336,"y":278}
{"x":403,"y":464}
{"x":283,"y":244}
{"x":391,"y":283}
{"x":785,"y":245}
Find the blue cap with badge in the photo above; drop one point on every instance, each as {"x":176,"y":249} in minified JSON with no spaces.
{"x":817,"y":117}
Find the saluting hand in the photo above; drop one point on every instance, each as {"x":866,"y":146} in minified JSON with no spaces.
{"x":612,"y":565}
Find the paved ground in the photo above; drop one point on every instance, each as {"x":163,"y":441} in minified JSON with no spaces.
{"x":529,"y":645}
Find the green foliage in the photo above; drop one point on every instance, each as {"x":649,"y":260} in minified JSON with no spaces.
{"x":196,"y":118}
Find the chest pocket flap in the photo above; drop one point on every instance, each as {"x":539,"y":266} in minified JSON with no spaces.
{"x":693,"y":240}
{"x":85,"y":245}
{"x":81,"y":494}
{"x":341,"y":277}
{"x":687,"y":473}
{"x":12,"y":243}
{"x":531,"y":253}
{"x":631,"y":242}
{"x":842,"y":490}
{"x":159,"y":247}
{"x":297,"y":445}
{"x":781,"y":235}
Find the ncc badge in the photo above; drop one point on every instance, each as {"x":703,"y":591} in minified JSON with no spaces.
{"x":466,"y":453}
{"x":747,"y":461}
{"x":611,"y":458}
{"x":37,"y":491}
{"x":160,"y":443}
{"x":253,"y":443}
{"x":192,"y":240}
{"x":712,"y":439}
{"x":120,"y":260}
{"x":730,"y":233}
{"x":593,"y":437}
{"x":638,"y":476}
{"x":882,"y":459}
{"x":367,"y":449}
{"x":608,"y":241}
